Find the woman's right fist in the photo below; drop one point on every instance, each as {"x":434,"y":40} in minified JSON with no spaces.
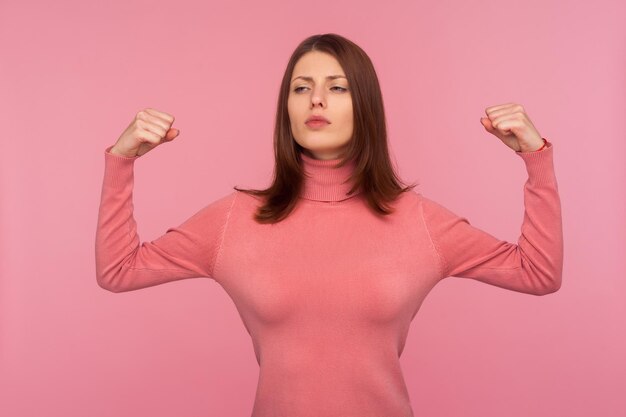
{"x":148,"y":130}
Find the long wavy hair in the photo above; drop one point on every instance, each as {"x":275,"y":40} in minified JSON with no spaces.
{"x":373,"y":172}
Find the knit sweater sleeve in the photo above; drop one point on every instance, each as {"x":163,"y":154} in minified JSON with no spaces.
{"x":124,"y":263}
{"x":534,"y":265}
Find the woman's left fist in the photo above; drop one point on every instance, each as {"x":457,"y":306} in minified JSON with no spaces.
{"x":510,"y":123}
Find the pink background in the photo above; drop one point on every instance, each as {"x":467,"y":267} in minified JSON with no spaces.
{"x":74,"y":73}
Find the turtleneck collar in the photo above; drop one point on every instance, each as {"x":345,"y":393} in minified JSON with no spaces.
{"x":322,"y":182}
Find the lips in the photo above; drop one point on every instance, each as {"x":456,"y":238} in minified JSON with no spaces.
{"x":317,"y":118}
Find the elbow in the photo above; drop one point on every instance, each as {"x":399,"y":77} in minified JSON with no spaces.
{"x":556,"y":279}
{"x":547,"y":279}
{"x":107,"y":284}
{"x":554,"y":286}
{"x":110,"y":277}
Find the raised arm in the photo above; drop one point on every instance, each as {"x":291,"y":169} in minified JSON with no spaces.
{"x":125,"y":264}
{"x":534,"y":265}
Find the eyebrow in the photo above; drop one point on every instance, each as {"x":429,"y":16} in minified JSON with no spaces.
{"x":330,"y":77}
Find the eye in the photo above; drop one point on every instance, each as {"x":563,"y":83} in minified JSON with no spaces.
{"x":342,"y":89}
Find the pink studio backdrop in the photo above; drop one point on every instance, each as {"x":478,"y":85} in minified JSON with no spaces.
{"x":74,"y":73}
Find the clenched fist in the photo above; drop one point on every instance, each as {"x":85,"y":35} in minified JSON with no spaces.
{"x":510,"y":123}
{"x":148,"y":130}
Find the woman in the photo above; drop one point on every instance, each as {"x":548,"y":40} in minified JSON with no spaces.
{"x":329,"y":265}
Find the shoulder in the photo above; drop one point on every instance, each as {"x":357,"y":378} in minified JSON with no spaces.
{"x":219,"y":207}
{"x":248,"y":200}
{"x":428,"y":207}
{"x":226,"y":200}
{"x":411,"y":198}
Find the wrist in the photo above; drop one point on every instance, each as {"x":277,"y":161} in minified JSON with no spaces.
{"x":114,"y":151}
{"x":545,"y":143}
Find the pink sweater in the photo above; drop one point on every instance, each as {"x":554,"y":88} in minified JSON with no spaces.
{"x":328,"y":294}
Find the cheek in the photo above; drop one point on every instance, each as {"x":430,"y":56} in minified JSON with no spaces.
{"x":348,"y":115}
{"x":292,"y":110}
{"x":292,"y":116}
{"x":294,"y":119}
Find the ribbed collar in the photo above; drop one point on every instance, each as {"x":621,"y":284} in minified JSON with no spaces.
{"x":323,"y":182}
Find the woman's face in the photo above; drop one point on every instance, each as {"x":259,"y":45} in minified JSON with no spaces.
{"x":320,"y":94}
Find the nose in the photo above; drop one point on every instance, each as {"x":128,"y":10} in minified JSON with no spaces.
{"x":318,"y":97}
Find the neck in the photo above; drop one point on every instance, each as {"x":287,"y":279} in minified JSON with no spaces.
{"x":323,"y":182}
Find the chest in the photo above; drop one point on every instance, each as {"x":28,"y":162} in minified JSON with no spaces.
{"x":327,"y":263}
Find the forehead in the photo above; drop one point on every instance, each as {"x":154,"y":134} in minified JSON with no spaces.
{"x":316,"y":63}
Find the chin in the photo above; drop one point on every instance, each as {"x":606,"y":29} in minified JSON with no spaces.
{"x":320,"y":142}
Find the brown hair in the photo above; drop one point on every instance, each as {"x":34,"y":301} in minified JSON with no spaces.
{"x":368,"y":146}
